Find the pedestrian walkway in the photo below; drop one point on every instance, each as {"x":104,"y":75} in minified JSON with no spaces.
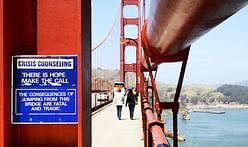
{"x":108,"y":131}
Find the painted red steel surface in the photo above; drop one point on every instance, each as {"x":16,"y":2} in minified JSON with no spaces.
{"x":153,"y":126}
{"x":58,"y":32}
{"x":16,"y":38}
{"x":38,"y":27}
{"x":1,"y":77}
{"x":158,"y":136}
{"x":59,"y":27}
{"x":174,"y":25}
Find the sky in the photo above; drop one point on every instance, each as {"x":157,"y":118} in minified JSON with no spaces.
{"x":218,"y":57}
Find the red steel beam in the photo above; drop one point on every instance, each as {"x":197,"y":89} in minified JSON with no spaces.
{"x":1,"y":77}
{"x":18,"y":36}
{"x":131,"y":21}
{"x":59,"y":32}
{"x":130,"y":2}
{"x":130,"y":67}
{"x":174,"y":25}
{"x":122,"y":45}
{"x":84,"y":122}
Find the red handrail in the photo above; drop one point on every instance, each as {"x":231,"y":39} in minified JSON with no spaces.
{"x":153,"y":128}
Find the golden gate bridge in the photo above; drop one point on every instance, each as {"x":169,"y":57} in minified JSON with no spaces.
{"x":35,"y":27}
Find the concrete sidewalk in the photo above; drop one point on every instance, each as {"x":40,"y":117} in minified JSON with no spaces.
{"x":108,"y":131}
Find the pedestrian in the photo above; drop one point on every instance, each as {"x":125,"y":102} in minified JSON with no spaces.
{"x":132,"y":99}
{"x":118,"y":101}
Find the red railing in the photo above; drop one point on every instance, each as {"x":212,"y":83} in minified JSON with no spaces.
{"x":152,"y":127}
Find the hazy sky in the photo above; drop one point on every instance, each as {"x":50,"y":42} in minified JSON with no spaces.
{"x":219,"y":57}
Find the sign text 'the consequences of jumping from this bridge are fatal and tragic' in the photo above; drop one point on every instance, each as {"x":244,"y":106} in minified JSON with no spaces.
{"x":44,"y":89}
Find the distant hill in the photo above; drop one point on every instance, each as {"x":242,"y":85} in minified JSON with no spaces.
{"x":103,"y":79}
{"x":242,"y":83}
{"x":106,"y":74}
{"x":234,"y":93}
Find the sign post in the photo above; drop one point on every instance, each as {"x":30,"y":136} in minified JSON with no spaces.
{"x":44,"y":89}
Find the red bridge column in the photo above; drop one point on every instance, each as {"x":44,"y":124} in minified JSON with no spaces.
{"x":1,"y":77}
{"x":17,"y":36}
{"x":45,"y":27}
{"x":128,"y":41}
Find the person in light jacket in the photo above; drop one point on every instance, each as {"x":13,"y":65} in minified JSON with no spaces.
{"x":119,"y":101}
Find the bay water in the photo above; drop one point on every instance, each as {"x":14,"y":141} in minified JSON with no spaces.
{"x":213,"y":130}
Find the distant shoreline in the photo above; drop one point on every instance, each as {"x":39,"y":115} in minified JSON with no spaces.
{"x":202,"y":107}
{"x":226,"y":106}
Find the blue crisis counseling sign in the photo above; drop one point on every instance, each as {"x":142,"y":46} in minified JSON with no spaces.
{"x":44,"y":89}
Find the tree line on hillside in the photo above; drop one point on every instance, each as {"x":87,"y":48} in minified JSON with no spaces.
{"x":201,"y":94}
{"x":234,"y":93}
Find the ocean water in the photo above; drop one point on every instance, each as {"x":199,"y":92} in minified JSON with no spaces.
{"x":213,"y":130}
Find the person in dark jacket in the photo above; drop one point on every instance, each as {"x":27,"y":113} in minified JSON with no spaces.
{"x":132,"y":98}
